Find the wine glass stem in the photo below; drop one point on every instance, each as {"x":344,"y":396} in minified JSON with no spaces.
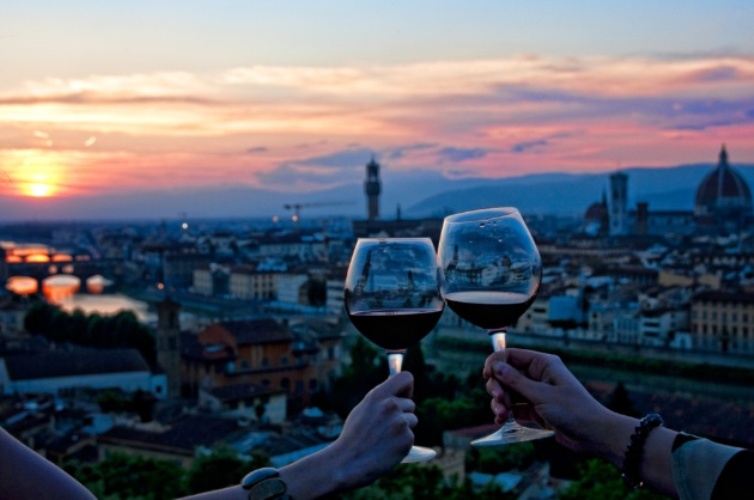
{"x":498,"y":339}
{"x":395,"y":361}
{"x":498,"y":345}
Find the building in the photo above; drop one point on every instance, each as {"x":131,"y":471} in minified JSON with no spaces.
{"x":722,"y":205}
{"x":245,"y":402}
{"x":657,"y":327}
{"x":723,"y":199}
{"x":247,"y":283}
{"x":618,"y":214}
{"x":723,"y":322}
{"x":178,"y":442}
{"x":260,"y":352}
{"x":212,"y":280}
{"x":168,"y":344}
{"x":372,"y":188}
{"x":58,"y":371}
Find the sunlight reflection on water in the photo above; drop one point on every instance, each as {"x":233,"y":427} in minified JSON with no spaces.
{"x":108,"y":304}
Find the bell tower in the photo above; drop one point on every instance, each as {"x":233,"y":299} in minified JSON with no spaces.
{"x":168,"y":343}
{"x":618,"y":204}
{"x":372,"y":188}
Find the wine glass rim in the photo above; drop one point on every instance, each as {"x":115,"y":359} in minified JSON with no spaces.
{"x":394,"y":240}
{"x":483,"y":214}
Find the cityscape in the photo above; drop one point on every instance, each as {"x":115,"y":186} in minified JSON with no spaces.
{"x":183,"y":186}
{"x":246,"y":330}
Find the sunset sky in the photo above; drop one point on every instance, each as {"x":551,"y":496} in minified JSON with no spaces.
{"x":101,"y":97}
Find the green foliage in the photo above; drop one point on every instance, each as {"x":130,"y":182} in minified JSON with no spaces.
{"x":122,"y":476}
{"x":500,"y":458}
{"x":469,"y":409}
{"x":601,"y":481}
{"x":693,"y":371}
{"x":421,"y":482}
{"x":112,"y":401}
{"x":368,"y":368}
{"x":125,"y":476}
{"x":220,"y":469}
{"x":122,"y":329}
{"x":620,"y":401}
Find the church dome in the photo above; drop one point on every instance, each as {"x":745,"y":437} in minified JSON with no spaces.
{"x":595,"y":213}
{"x":723,"y":191}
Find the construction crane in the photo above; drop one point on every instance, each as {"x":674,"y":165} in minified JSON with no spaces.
{"x":296,"y":207}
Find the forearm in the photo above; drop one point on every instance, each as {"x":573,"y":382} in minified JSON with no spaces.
{"x":25,"y":474}
{"x":611,"y":435}
{"x":315,"y":476}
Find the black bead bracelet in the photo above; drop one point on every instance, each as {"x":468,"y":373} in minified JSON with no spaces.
{"x":635,"y":450}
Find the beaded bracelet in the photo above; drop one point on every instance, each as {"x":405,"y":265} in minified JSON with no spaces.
{"x":635,"y":449}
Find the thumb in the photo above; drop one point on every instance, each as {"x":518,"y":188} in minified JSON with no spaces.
{"x":400,"y":384}
{"x":511,"y":378}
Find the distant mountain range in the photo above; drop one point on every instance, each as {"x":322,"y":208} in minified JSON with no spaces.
{"x":419,"y":194}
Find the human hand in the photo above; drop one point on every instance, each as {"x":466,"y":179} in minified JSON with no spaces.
{"x":554,"y":397}
{"x":377,"y":434}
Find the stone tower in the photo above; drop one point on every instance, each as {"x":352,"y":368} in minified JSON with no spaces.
{"x":372,"y":188}
{"x":168,"y":343}
{"x":618,"y":204}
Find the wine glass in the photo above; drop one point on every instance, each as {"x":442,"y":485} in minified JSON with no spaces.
{"x":490,"y":274}
{"x":392,"y":296}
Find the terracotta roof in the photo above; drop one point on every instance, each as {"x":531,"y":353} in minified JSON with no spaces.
{"x":181,"y":437}
{"x":257,"y":331}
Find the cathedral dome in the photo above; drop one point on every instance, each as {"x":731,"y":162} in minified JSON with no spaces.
{"x":723,"y":191}
{"x":596,"y":212}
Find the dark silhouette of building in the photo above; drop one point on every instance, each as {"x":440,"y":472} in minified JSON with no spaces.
{"x":597,"y":217}
{"x":618,"y":204}
{"x":723,"y":199}
{"x":167,"y":338}
{"x":372,"y":188}
{"x":722,"y":205}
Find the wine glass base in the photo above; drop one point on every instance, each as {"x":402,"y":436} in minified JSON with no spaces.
{"x":509,"y":434}
{"x":419,"y":454}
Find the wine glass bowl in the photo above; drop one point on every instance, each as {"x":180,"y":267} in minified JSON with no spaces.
{"x":392,"y":297}
{"x":490,"y":267}
{"x":490,"y":272}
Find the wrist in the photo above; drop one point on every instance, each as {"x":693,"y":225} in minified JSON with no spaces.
{"x":316,"y":476}
{"x":609,"y":432}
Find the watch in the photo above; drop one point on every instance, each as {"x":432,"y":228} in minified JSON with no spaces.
{"x":265,"y":484}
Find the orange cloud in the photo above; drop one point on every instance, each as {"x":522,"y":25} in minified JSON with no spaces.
{"x":115,"y":132}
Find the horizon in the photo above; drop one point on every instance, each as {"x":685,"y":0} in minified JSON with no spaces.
{"x":107,"y":101}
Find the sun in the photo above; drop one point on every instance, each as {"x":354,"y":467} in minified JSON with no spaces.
{"x":39,"y":189}
{"x":35,"y":173}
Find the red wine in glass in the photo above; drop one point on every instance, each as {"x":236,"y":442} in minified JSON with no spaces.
{"x":392,"y":297}
{"x":490,"y":272}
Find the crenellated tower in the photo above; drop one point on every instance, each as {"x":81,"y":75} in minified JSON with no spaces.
{"x":373,"y":188}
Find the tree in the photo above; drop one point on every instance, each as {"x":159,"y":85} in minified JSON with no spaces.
{"x":125,"y":476}
{"x":414,"y":482}
{"x":501,"y":459}
{"x":220,"y":469}
{"x":39,"y":318}
{"x":367,"y":369}
{"x":599,"y":480}
{"x":414,"y":363}
{"x":620,"y":402}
